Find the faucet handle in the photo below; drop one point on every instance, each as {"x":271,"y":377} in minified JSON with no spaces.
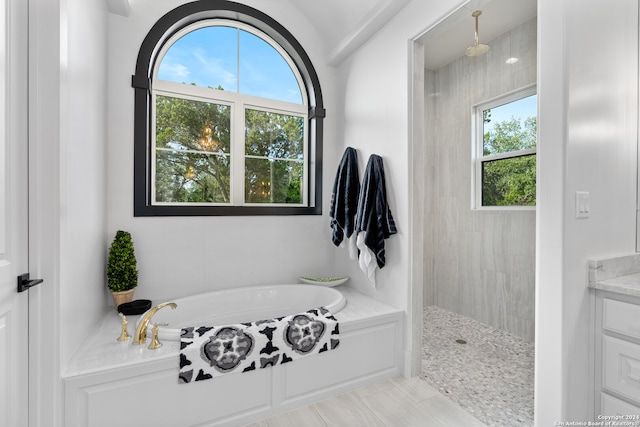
{"x":124,"y":334}
{"x":155,"y":343}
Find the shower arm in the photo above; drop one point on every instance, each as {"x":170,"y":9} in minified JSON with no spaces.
{"x":475,"y":15}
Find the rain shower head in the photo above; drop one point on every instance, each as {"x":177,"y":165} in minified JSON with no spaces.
{"x":477,"y":49}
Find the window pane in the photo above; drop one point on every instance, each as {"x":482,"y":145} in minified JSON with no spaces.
{"x":264,"y":72}
{"x":509,"y":182}
{"x":273,"y":181}
{"x":206,"y":57}
{"x":510,"y":127}
{"x":274,"y":135}
{"x":192,"y":151}
{"x":184,"y":124}
{"x":275,"y":157}
{"x":187,"y":177}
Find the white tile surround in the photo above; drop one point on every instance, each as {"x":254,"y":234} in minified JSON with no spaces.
{"x":480,"y":264}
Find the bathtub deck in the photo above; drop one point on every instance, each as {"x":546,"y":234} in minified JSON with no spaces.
{"x":101,"y":351}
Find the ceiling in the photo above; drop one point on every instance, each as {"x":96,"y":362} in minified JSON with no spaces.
{"x":334,"y":19}
{"x":346,"y":25}
{"x":449,"y":39}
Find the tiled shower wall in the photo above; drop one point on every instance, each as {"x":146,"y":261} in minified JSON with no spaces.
{"x":480,"y":264}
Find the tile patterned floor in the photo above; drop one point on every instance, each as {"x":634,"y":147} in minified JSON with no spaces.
{"x":491,"y":376}
{"x":399,"y":402}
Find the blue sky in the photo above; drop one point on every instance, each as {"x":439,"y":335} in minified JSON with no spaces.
{"x":209,"y":57}
{"x":520,"y":109}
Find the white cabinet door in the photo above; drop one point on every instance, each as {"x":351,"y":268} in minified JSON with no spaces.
{"x":621,"y":367}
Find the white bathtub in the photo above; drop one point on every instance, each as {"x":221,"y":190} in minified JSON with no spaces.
{"x":143,"y":383}
{"x":245,"y":304}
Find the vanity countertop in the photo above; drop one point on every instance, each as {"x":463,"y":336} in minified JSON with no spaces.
{"x":616,"y":274}
{"x":628,"y":285}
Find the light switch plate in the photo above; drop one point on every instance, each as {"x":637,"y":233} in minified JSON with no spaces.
{"x":582,"y":204}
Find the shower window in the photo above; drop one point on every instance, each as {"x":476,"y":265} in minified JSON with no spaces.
{"x":228,"y":120}
{"x":505,"y":151}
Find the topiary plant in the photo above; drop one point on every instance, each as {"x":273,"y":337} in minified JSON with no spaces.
{"x":122,"y":273}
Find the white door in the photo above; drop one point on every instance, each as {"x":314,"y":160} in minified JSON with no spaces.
{"x":13,"y":213}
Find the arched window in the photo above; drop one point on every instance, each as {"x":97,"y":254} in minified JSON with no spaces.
{"x":228,"y":116}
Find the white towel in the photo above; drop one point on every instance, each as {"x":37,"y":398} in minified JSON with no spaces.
{"x":367,"y":259}
{"x":350,"y":243}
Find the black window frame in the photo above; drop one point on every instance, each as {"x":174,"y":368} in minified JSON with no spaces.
{"x":142,"y":82}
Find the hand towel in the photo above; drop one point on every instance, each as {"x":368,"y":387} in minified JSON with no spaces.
{"x":344,"y":202}
{"x":374,"y":222}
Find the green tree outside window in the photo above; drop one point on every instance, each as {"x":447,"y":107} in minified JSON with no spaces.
{"x":508,"y":161}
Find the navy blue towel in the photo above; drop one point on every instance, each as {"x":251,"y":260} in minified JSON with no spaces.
{"x":344,"y":199}
{"x":374,"y":221}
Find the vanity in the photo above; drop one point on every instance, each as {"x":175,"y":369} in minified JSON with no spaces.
{"x":615,"y":297}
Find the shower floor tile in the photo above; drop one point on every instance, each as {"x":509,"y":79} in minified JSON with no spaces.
{"x":489,"y":374}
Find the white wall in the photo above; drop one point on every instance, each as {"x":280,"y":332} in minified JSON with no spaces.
{"x":375,"y":94}
{"x":45,"y":395}
{"x":67,"y":136}
{"x":182,"y":256}
{"x":550,"y":384}
{"x":588,"y":138}
{"x":601,"y":154}
{"x":83,"y":136}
